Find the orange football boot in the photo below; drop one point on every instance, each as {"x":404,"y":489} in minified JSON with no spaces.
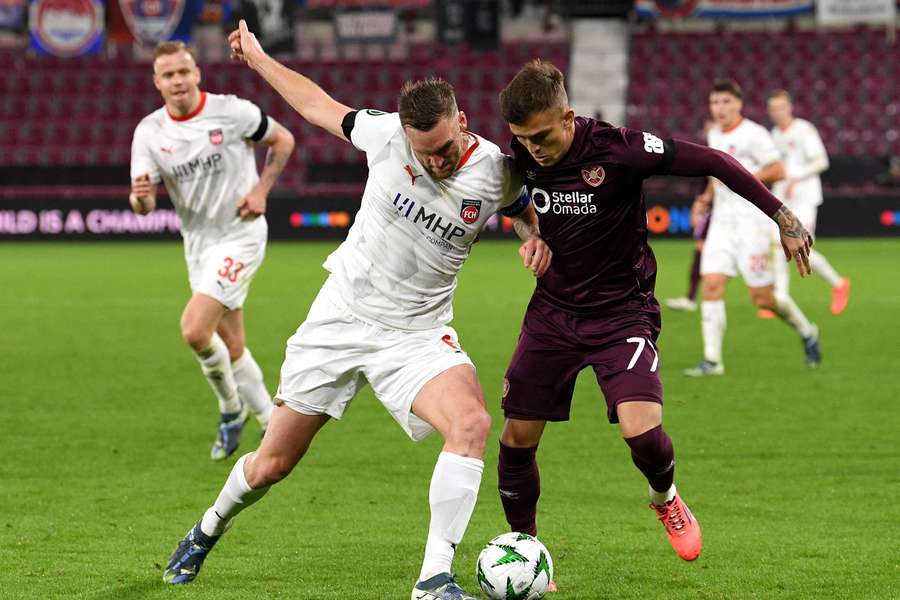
{"x":765,"y":313}
{"x":681,"y":527}
{"x":840,"y":297}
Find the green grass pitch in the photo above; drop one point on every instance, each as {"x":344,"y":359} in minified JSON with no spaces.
{"x":106,"y":423}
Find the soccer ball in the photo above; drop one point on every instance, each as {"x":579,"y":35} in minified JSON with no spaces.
{"x":514,"y":566}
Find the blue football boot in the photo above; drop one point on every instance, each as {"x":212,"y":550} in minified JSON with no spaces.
{"x":185,"y":562}
{"x":228,"y":437}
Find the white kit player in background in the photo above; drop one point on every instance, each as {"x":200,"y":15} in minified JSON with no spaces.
{"x":200,"y":146}
{"x":382,"y":316}
{"x":740,"y":238}
{"x":805,"y":158}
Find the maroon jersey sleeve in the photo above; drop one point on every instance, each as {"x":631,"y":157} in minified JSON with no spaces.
{"x":696,"y":160}
{"x":643,"y":152}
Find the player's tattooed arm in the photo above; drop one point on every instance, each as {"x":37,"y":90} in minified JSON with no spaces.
{"x":281,"y":145}
{"x":536,"y":254}
{"x":795,"y":239}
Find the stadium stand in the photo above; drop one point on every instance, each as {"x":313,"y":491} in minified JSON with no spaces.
{"x":105,"y":98}
{"x":845,"y":82}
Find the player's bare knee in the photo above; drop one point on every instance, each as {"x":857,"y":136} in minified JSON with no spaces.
{"x":521,"y":434}
{"x":270,"y":468}
{"x":713,"y":289}
{"x":195,"y":337}
{"x":469,"y":431}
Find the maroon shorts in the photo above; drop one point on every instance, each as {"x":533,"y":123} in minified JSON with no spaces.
{"x":555,"y":345}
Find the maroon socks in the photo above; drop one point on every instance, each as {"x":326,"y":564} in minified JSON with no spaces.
{"x":652,"y":453}
{"x":695,"y":276}
{"x":520,"y":487}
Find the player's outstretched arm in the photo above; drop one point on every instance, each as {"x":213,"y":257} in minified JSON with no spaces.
{"x":772,"y":172}
{"x":143,"y":195}
{"x":693,"y":160}
{"x":536,"y":254}
{"x":303,"y":94}
{"x":281,"y":145}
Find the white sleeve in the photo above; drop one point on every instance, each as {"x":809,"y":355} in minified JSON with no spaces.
{"x":764,"y":150}
{"x":373,"y":129}
{"x":142,"y":162}
{"x":812,"y":143}
{"x":251,"y":122}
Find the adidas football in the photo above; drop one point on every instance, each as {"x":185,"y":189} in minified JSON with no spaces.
{"x":514,"y":566}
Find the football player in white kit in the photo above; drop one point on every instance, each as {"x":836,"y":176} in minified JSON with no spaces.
{"x":200,"y":146}
{"x":382,"y":316}
{"x":740,"y":238}
{"x":804,"y":158}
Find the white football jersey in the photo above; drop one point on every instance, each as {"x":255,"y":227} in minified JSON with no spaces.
{"x":206,"y":161}
{"x":799,"y":144}
{"x":397,"y":268}
{"x":751,"y":145}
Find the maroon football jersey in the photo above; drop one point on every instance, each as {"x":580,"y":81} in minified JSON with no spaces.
{"x":592,"y":215}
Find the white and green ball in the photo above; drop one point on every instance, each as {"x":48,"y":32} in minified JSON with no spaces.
{"x":514,"y":566}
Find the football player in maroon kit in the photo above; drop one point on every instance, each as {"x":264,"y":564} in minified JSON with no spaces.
{"x":595,"y":305}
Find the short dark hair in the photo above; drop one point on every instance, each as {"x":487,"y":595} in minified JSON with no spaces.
{"x":537,"y":86}
{"x":164,"y":48}
{"x":729,"y":86}
{"x":779,"y":93}
{"x":423,"y":103}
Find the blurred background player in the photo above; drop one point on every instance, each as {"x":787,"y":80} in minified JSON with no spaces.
{"x":200,"y":146}
{"x":382,"y":316}
{"x":805,"y":158}
{"x":700,"y":227}
{"x":739,"y":240}
{"x":595,"y":306}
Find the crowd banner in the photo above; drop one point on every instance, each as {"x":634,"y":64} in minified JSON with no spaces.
{"x":319,"y":217}
{"x":66,"y":28}
{"x":153,"y":21}
{"x":849,"y":12}
{"x":12,"y":15}
{"x":724,"y":8}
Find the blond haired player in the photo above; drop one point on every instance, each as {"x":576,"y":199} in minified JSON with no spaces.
{"x":200,"y":146}
{"x":383,"y":315}
{"x":805,"y":158}
{"x":740,"y":239}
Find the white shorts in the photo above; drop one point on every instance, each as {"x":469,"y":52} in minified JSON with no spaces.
{"x":742,"y":246}
{"x":333,"y":354}
{"x":223,"y":270}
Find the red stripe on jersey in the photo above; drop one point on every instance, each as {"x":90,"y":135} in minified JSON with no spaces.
{"x":733,"y":127}
{"x":191,"y":114}
{"x":468,"y":153}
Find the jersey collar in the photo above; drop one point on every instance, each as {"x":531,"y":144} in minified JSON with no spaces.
{"x":733,"y":127}
{"x":191,"y":114}
{"x":468,"y":153}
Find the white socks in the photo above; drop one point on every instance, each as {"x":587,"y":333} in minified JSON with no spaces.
{"x":216,"y":365}
{"x":234,"y":497}
{"x":454,"y":489}
{"x":818,"y":263}
{"x":660,"y":498}
{"x":788,"y":310}
{"x":821,"y":266}
{"x":781,"y":270}
{"x":712,"y":315}
{"x":250,"y":386}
